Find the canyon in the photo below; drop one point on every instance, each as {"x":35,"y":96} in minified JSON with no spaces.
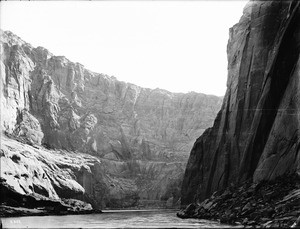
{"x":68,"y":133}
{"x":75,"y":140}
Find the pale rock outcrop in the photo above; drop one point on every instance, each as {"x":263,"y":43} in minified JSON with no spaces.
{"x":54,"y":174}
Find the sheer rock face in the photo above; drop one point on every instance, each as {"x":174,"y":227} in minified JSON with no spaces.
{"x":142,"y":136}
{"x":256,"y":133}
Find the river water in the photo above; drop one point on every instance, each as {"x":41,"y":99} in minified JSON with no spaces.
{"x":110,"y":219}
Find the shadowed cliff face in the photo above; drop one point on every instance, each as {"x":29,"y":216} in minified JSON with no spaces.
{"x":256,"y":133}
{"x":141,"y":136}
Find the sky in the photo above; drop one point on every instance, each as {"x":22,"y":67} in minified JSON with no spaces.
{"x":179,"y":46}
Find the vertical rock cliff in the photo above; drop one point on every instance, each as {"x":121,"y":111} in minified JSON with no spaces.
{"x":256,"y":133}
{"x":138,"y":138}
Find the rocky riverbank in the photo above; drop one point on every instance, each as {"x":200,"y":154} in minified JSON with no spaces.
{"x":29,"y":205}
{"x":13,"y":203}
{"x":265,"y":204}
{"x":8,"y":211}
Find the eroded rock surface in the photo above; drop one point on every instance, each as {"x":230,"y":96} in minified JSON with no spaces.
{"x":141,"y":136}
{"x":36,"y":172}
{"x":256,"y":134}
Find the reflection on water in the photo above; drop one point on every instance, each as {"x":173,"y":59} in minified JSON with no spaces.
{"x":110,"y":219}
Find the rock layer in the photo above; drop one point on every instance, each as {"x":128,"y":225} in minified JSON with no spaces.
{"x":141,"y":136}
{"x":256,"y":134}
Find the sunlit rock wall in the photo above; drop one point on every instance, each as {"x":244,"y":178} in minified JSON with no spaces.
{"x":142,"y":136}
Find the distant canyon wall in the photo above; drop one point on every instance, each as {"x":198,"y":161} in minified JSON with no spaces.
{"x":141,"y":136}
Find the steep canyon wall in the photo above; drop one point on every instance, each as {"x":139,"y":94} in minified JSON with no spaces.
{"x":256,"y":134}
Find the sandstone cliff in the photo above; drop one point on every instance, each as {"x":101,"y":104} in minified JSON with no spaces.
{"x":140,"y":136}
{"x":256,"y":134}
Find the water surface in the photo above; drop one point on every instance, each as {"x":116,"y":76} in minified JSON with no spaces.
{"x":110,"y":219}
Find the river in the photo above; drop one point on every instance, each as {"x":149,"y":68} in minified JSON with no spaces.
{"x":110,"y":219}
